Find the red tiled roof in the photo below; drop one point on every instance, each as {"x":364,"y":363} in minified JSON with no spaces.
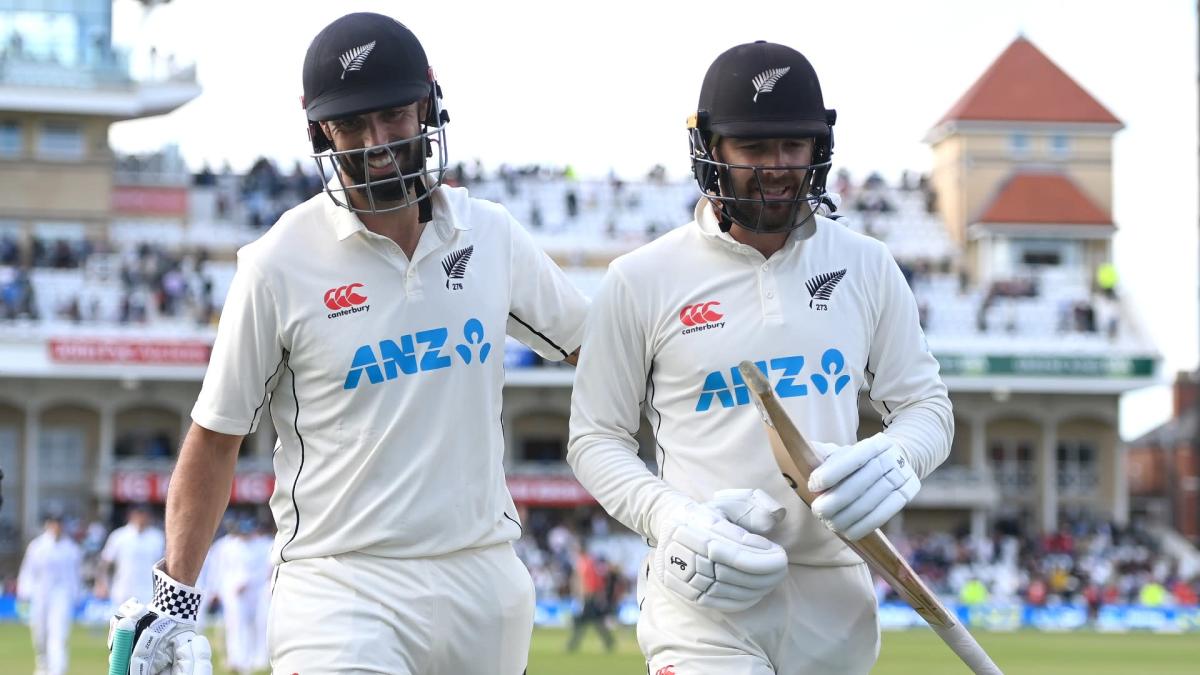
{"x":1024,"y":85}
{"x":1043,"y":199}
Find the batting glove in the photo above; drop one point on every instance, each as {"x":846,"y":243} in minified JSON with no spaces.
{"x":704,"y":558}
{"x":753,"y":510}
{"x":164,"y":633}
{"x":862,"y":486}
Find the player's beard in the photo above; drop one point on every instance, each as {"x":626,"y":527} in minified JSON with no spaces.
{"x":384,"y":188}
{"x":748,"y":207}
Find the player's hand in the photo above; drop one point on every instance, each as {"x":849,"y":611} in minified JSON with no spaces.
{"x":165,"y":640}
{"x":862,"y":486}
{"x":704,"y":558}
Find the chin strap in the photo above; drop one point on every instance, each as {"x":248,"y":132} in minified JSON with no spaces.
{"x":424,"y":206}
{"x":723,"y":220}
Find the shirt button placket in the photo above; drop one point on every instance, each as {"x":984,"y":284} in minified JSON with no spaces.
{"x":771,"y":308}
{"x":412,"y":282}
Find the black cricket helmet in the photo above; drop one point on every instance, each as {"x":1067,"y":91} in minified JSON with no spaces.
{"x":760,"y":90}
{"x":358,"y":64}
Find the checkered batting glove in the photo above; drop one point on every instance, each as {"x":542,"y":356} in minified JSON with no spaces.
{"x":165,"y":640}
{"x":173,"y":599}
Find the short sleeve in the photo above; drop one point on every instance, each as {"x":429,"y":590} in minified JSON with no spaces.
{"x":546,"y":311}
{"x":247,"y":357}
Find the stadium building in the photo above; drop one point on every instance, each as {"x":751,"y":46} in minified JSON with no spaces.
{"x":65,"y":205}
{"x":110,"y":298}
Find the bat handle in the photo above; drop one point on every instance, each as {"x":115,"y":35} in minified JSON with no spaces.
{"x":960,"y":640}
{"x":122,"y":647}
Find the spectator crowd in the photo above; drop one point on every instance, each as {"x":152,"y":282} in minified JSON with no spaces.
{"x":1087,"y":563}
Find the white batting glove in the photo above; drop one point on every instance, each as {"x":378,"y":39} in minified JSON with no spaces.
{"x":862,"y":486}
{"x":165,"y":640}
{"x":751,"y":509}
{"x":704,"y":558}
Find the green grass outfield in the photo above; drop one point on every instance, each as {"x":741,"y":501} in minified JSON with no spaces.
{"x":904,"y":653}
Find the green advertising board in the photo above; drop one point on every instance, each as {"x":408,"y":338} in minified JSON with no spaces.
{"x":1047,"y":366}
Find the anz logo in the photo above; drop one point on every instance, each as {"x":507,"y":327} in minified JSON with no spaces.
{"x":416,"y":353}
{"x":732,"y":392}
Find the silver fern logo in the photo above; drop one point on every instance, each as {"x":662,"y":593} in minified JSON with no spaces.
{"x":764,"y":82}
{"x":354,"y":59}
{"x":455,"y":266}
{"x":821,"y":287}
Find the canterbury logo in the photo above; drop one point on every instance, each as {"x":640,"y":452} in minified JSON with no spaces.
{"x":700,"y":313}
{"x":344,"y":296}
{"x":455,"y":265}
{"x":821,"y":286}
{"x":354,"y":59}
{"x":764,"y":82}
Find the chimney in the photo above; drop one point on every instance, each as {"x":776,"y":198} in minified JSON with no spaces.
{"x":1185,"y":393}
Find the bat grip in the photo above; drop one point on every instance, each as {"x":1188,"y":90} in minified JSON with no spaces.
{"x":962,"y":643}
{"x":122,"y":647}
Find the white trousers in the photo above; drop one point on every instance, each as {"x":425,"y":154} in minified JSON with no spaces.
{"x":819,"y":621}
{"x":465,"y":613}
{"x":50,"y":615}
{"x":241,"y":629}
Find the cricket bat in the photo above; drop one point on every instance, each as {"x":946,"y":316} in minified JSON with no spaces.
{"x":796,"y":459}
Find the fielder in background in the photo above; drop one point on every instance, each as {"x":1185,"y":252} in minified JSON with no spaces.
{"x":242,"y":574}
{"x":49,"y":582}
{"x":370,"y":322}
{"x":128,"y":552}
{"x":744,"y":579}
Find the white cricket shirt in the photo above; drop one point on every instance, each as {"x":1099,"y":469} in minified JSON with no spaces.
{"x":133,"y":555}
{"x":671,"y":321}
{"x":50,"y":568}
{"x":383,"y":376}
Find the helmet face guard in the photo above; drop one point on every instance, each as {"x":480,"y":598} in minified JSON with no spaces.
{"x":407,"y":159}
{"x":716,"y":181}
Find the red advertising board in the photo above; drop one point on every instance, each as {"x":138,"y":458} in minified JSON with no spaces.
{"x":114,"y":350}
{"x":144,"y":200}
{"x":140,"y":486}
{"x":548,"y":491}
{"x":256,"y":488}
{"x":151,"y":487}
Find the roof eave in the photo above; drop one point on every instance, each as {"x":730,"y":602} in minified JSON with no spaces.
{"x":980,"y":229}
{"x":949,"y":127}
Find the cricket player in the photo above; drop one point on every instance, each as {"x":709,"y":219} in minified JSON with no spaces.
{"x":261,"y":543}
{"x":369,"y":322}
{"x":127,"y":552}
{"x":744,"y":579}
{"x":49,"y":581}
{"x":242,"y":574}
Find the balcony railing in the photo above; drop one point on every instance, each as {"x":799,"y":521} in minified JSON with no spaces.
{"x":958,"y":486}
{"x":113,"y":71}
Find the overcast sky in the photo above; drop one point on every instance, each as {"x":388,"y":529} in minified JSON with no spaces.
{"x":608,"y":85}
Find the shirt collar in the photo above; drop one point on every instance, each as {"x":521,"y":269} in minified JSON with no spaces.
{"x":437,"y":208}
{"x":710,"y":227}
{"x":447,"y":218}
{"x":345,"y":222}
